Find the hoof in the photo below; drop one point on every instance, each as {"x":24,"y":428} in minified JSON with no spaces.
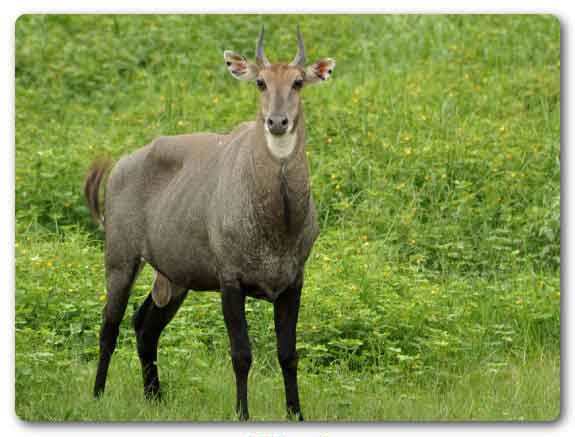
{"x":98,"y":392}
{"x":295,"y":416}
{"x":153,"y":393}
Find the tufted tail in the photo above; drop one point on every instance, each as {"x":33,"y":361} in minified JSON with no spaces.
{"x":94,"y":178}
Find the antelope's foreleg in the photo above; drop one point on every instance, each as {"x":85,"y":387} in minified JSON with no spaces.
{"x":286,"y":309}
{"x":233,"y":306}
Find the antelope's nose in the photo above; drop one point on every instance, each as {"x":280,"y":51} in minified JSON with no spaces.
{"x":277,"y":124}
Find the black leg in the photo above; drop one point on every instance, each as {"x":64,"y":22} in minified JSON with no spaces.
{"x":119,"y":285}
{"x":149,"y":321}
{"x":108,"y":336}
{"x":286,"y":309}
{"x":233,"y":306}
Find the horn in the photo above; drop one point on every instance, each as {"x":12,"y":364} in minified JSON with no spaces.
{"x":300,"y":55}
{"x":260,"y":56}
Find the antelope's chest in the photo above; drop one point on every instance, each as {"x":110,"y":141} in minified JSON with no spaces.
{"x":267,"y":273}
{"x":264,"y":266}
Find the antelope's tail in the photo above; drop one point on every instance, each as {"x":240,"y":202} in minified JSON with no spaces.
{"x":96,"y":174}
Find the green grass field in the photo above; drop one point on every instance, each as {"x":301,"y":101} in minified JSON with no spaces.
{"x":433,"y":292}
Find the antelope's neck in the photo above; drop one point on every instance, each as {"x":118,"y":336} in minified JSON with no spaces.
{"x":281,"y":179}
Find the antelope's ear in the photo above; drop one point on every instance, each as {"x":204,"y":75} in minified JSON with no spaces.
{"x":239,"y":67}
{"x":319,"y":71}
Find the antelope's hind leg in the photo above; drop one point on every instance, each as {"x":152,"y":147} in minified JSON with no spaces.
{"x":120,"y":278}
{"x":151,"y":318}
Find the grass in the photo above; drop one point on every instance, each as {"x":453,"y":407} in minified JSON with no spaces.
{"x":433,"y":292}
{"x":517,"y":391}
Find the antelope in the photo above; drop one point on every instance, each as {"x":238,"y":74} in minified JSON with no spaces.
{"x":228,"y":212}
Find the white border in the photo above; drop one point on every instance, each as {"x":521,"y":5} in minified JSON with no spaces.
{"x":12,"y":425}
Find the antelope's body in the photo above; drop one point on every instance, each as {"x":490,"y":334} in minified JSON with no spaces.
{"x":204,"y":206}
{"x":230,"y":212}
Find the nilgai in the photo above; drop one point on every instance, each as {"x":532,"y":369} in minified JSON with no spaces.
{"x":228,"y":212}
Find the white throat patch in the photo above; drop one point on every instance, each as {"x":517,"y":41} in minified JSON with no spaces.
{"x":281,"y":147}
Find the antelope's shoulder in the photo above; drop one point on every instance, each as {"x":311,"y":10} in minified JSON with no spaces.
{"x":175,"y":150}
{"x":243,"y":127}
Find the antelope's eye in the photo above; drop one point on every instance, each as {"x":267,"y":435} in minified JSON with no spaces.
{"x":297,"y":84}
{"x":261,"y":84}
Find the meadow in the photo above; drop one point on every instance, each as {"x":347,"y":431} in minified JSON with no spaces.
{"x":433,"y":292}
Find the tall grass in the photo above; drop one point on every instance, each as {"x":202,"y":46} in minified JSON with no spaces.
{"x":433,"y":292}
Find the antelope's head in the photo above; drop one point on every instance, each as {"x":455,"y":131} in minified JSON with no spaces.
{"x":279,"y":84}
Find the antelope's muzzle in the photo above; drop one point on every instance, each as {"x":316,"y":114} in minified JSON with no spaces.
{"x":277,"y":124}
